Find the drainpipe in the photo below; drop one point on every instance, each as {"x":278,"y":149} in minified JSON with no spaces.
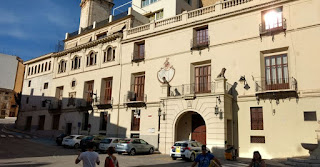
{"x":120,"y":59}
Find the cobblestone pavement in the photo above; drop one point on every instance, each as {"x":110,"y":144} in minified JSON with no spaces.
{"x":21,"y":150}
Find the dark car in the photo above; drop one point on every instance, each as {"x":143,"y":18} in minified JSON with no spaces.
{"x":60,"y":138}
{"x":96,"y":139}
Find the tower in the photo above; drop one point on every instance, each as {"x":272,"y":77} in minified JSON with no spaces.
{"x":94,"y":10}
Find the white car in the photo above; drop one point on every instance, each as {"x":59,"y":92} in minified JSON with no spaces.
{"x":108,"y":142}
{"x":72,"y":141}
{"x":187,"y":150}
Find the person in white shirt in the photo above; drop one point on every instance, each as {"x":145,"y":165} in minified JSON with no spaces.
{"x":89,"y":158}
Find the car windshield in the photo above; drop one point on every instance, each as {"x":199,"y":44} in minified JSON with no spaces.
{"x":181,"y":144}
{"x":88,"y":138}
{"x":125,"y":141}
{"x":69,"y":137}
{"x":107,"y":141}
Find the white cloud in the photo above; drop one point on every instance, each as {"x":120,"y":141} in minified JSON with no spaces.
{"x":16,"y":33}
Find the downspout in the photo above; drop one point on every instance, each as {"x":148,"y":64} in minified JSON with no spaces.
{"x":120,"y":61}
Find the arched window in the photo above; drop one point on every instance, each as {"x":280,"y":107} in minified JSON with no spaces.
{"x":46,"y":66}
{"x":62,"y":66}
{"x":76,"y":63}
{"x":92,"y":59}
{"x":109,"y":55}
{"x":49,"y":66}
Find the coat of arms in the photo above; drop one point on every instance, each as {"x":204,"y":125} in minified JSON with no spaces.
{"x":166,"y":73}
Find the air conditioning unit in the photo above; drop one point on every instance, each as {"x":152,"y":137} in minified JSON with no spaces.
{"x":131,"y":96}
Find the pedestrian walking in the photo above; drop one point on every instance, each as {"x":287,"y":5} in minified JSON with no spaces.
{"x":111,"y":160}
{"x":89,"y":158}
{"x":257,"y":160}
{"x":204,"y":159}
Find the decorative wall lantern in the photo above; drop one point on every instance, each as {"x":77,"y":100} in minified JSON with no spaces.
{"x":244,"y":81}
{"x":216,"y":110}
{"x":159,"y":112}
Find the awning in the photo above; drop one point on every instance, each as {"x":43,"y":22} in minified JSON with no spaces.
{"x":117,"y":28}
{"x":84,"y":40}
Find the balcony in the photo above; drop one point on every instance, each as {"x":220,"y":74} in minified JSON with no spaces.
{"x":55,"y":107}
{"x":280,"y":26}
{"x":84,"y":105}
{"x":276,"y":89}
{"x":104,"y":103}
{"x":133,"y":99}
{"x":197,"y":44}
{"x":190,"y":90}
{"x":137,"y":56}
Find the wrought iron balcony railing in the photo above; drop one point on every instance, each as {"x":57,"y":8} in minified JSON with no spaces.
{"x":197,"y":44}
{"x":280,"y":25}
{"x":188,"y":89}
{"x":138,"y":56}
{"x":276,"y":84}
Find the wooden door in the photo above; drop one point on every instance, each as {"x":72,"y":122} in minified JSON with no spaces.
{"x":139,"y":87}
{"x":108,"y":91}
{"x":90,"y":92}
{"x":28,"y":125}
{"x":198,"y":129}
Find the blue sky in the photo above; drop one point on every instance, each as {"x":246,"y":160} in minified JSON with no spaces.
{"x":31,"y":28}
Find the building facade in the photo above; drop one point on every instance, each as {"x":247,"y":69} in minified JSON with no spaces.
{"x":235,"y":72}
{"x":12,"y":74}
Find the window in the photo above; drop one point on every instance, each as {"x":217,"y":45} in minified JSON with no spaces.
{"x":44,"y":103}
{"x":109,"y":55}
{"x":71,"y":99}
{"x":89,"y":92}
{"x":276,"y":72}
{"x":39,"y":68}
{"x":46,"y":67}
{"x":203,"y":79}
{"x":108,"y":91}
{"x":188,"y":1}
{"x":29,"y":83}
{"x":135,"y":121}
{"x":103,"y":122}
{"x":76,"y":63}
{"x":42,"y":66}
{"x":138,"y":87}
{"x":29,"y":71}
{"x":35,"y":69}
{"x":272,"y":19}
{"x":49,"y":66}
{"x":73,"y":84}
{"x":32,"y":71}
{"x":55,"y":122}
{"x":257,"y":139}
{"x":139,"y":52}
{"x":27,"y":100}
{"x":256,"y":118}
{"x":156,"y":16}
{"x":102,"y":35}
{"x":147,"y":2}
{"x":41,"y":122}
{"x":45,"y":86}
{"x":92,"y":59}
{"x":310,"y":116}
{"x":62,"y":66}
{"x":85,"y":121}
{"x":201,"y":37}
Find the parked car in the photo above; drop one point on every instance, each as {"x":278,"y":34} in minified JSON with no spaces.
{"x":108,"y":142}
{"x":133,"y":146}
{"x":187,"y":150}
{"x":96,"y":139}
{"x":60,"y":138}
{"x":72,"y":141}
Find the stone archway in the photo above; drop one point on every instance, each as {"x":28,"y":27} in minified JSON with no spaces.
{"x":190,"y":126}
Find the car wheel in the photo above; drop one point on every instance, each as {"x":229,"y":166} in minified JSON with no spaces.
{"x":76,"y":146}
{"x":151,"y":150}
{"x":192,"y":157}
{"x":174,"y":158}
{"x":132,"y":152}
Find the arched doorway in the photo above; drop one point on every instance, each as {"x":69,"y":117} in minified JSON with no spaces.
{"x":190,"y":126}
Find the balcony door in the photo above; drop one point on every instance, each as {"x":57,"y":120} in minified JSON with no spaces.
{"x":139,"y":87}
{"x":276,"y":71}
{"x":108,"y":91}
{"x":203,"y":79}
{"x":89,"y":92}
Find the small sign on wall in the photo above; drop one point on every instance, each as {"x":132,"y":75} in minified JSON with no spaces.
{"x":151,"y":130}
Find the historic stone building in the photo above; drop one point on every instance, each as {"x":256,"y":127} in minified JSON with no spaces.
{"x":234,"y":72}
{"x":12,"y":74}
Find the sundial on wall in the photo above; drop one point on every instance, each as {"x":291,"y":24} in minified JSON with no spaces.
{"x":166,"y":73}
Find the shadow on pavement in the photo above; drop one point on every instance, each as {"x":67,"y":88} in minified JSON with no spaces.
{"x":23,"y":164}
